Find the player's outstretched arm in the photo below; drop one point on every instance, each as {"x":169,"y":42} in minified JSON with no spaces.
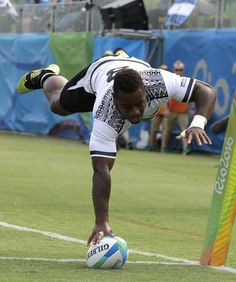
{"x":101,"y":194}
{"x":204,"y":97}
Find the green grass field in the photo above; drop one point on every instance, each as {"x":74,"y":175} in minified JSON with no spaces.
{"x":159,"y":205}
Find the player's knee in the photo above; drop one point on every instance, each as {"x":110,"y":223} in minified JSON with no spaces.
{"x":57,"y":109}
{"x":54,"y":108}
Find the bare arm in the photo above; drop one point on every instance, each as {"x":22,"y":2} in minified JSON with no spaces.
{"x":204,"y":97}
{"x":101,"y":194}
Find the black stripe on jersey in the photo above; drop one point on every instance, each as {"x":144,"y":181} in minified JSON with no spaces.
{"x":101,"y":153}
{"x":186,"y":96}
{"x":123,"y":60}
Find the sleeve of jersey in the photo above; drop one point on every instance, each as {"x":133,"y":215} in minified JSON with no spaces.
{"x":179,"y":88}
{"x":103,"y":140}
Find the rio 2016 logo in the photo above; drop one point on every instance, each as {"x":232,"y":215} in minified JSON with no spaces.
{"x":224,"y":164}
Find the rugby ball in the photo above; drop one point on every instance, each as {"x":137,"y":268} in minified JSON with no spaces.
{"x":111,"y":252}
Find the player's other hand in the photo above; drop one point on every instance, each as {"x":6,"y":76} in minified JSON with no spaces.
{"x":195,"y":133}
{"x":99,"y":230}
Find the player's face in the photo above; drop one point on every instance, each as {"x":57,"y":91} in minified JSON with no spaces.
{"x":132,"y":105}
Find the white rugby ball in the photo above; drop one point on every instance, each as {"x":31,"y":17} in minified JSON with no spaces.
{"x":111,"y":252}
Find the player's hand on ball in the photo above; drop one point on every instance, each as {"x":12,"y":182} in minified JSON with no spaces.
{"x":195,"y":133}
{"x":112,"y":252}
{"x":99,"y":230}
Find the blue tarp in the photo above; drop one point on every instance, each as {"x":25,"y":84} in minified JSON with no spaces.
{"x":27,"y":113}
{"x":209,"y":55}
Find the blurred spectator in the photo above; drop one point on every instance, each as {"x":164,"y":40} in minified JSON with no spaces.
{"x":175,"y":112}
{"x":157,"y":123}
{"x":38,"y":18}
{"x":123,"y":141}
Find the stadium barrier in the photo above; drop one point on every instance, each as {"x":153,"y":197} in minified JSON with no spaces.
{"x":62,"y":17}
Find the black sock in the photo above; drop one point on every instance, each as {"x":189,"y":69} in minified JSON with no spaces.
{"x":46,"y":76}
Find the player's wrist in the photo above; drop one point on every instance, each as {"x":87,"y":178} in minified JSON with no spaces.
{"x":198,"y":121}
{"x":101,"y":220}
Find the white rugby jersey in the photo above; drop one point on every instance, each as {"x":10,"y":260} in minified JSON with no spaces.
{"x":108,"y":121}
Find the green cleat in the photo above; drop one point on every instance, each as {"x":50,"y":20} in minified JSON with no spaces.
{"x":34,"y":80}
{"x":119,"y":52}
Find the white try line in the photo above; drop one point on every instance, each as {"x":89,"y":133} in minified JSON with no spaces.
{"x":68,"y":260}
{"x":83,"y":260}
{"x":71,"y":239}
{"x":175,"y":260}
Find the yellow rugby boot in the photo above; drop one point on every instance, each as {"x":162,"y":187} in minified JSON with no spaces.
{"x":121,"y":53}
{"x":34,"y":80}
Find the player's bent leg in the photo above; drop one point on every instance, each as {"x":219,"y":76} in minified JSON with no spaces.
{"x":35,"y":79}
{"x":53,"y":88}
{"x":76,"y":100}
{"x":56,"y":106}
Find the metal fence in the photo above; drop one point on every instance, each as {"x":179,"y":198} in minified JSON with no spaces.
{"x":79,"y":16}
{"x":75,"y":16}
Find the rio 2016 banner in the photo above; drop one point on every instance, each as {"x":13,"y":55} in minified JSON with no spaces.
{"x":223,"y":206}
{"x":208,"y":55}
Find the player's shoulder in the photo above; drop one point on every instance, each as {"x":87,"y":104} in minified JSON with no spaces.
{"x":155,"y":76}
{"x":175,"y":79}
{"x":151,"y":76}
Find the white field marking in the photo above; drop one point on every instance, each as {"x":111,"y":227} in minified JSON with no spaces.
{"x":220,"y":268}
{"x":162,"y":256}
{"x":71,"y":239}
{"x":83,"y":260}
{"x":43,"y":259}
{"x":179,"y":261}
{"x":45,"y":233}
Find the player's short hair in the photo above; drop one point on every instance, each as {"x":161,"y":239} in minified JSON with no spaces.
{"x":127,"y":80}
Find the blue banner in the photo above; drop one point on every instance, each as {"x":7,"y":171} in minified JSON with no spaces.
{"x":208,"y":55}
{"x":30,"y":112}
